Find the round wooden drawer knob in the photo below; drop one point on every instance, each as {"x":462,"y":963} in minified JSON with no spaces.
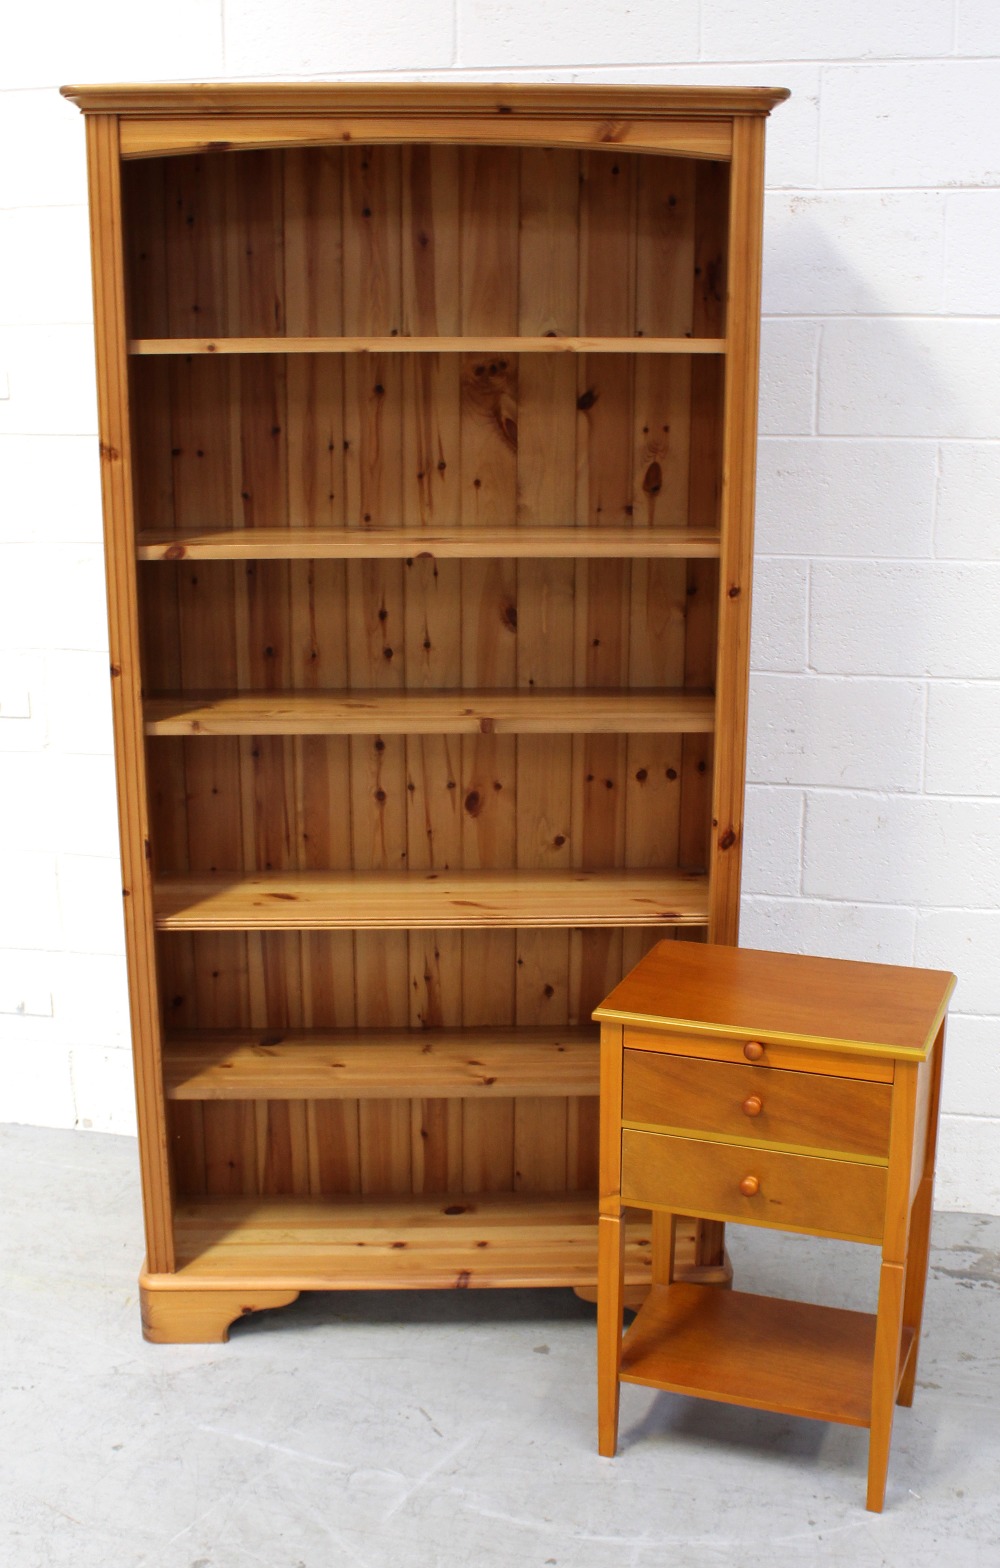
{"x":749,"y":1186}
{"x":753,"y":1105}
{"x":753,"y":1050}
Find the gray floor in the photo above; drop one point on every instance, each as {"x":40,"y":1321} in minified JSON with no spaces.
{"x":416,"y":1430}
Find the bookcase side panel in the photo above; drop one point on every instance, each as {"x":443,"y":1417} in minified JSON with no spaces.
{"x":108,"y":255}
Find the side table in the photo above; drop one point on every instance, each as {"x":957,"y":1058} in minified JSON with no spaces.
{"x":779,"y":1090}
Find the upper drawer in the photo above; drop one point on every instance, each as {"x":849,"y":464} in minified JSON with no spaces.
{"x":843,"y":1116}
{"x":763,"y":1053}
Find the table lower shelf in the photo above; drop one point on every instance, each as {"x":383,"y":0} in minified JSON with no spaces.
{"x":788,"y":1356}
{"x":394,"y":1243}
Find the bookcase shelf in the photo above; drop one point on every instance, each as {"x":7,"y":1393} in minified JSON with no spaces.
{"x":429,"y":900}
{"x":403,"y":344}
{"x":456,"y":544}
{"x":562,"y":712}
{"x":219,"y":1064}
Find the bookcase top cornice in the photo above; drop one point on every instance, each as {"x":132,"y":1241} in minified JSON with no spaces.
{"x":159,"y":99}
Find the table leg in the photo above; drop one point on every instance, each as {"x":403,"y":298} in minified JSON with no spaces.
{"x":664,"y":1237}
{"x":916,"y":1281}
{"x":610,"y":1273}
{"x":710,"y":1247}
{"x":885,"y":1371}
{"x":918,"y":1252}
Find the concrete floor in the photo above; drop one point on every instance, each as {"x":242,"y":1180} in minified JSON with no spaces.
{"x":426,"y":1430}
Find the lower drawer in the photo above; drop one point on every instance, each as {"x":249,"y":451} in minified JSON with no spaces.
{"x":788,"y":1191}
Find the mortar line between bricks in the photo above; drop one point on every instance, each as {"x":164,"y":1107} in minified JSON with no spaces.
{"x":874,"y":903}
{"x":818,"y":192}
{"x":924,"y":717}
{"x":936,"y":502}
{"x":978,"y":561}
{"x":827,"y":317}
{"x":886,"y":797}
{"x":829,"y":675}
{"x":836,"y":435}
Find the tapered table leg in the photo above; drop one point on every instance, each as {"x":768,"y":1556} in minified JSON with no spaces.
{"x":610,"y":1261}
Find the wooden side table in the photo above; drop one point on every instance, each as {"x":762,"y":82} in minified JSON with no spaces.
{"x":770,"y":1089}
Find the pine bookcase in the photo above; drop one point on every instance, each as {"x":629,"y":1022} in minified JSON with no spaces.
{"x":427,"y":422}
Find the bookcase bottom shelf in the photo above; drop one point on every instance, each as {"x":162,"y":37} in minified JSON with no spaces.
{"x":240,"y":1255}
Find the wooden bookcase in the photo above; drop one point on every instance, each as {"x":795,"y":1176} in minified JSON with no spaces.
{"x":427,"y":424}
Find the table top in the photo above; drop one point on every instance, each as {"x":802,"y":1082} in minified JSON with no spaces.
{"x":835,"y":1003}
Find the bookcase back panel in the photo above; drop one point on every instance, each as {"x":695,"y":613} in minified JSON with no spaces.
{"x":438,"y":440}
{"x":370,"y":980}
{"x":330,"y":1147}
{"x":441,"y":241}
{"x":359,"y":803}
{"x":278,"y":626}
{"x":422,"y":239}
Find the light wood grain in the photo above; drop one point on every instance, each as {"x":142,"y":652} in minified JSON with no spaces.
{"x":439,"y":1242}
{"x":107,"y":250}
{"x":739,"y":454}
{"x":794,"y":1191}
{"x":385,"y":901}
{"x":200,"y":1317}
{"x":752,"y":1105}
{"x":146,"y":137}
{"x":757,"y":1351}
{"x":380,"y":1063}
{"x":471,"y":344}
{"x":534,"y":711}
{"x":875,"y":1009}
{"x":506,"y":103}
{"x":300,"y":542}
{"x":801,"y":1057}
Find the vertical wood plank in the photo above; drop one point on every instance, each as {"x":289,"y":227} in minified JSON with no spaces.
{"x":431,"y":447}
{"x":489,"y":441}
{"x":488,"y":962}
{"x":334,"y":1136}
{"x":736,"y":563}
{"x":372,"y":218}
{"x":605,"y":398}
{"x":548,"y":302}
{"x":312,"y":192}
{"x":665,"y":267}
{"x":258,"y":454}
{"x":110,"y":331}
{"x":700,"y":663}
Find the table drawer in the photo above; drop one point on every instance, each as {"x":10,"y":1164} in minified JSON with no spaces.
{"x":800,"y":1056}
{"x":768,"y":1105}
{"x":793,"y":1191}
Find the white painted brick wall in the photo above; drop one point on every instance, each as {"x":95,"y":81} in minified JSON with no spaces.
{"x":873,"y":814}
